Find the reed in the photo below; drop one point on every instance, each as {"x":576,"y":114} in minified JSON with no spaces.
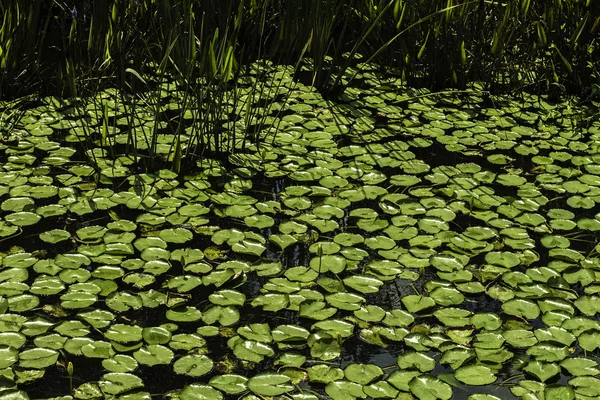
{"x":509,"y":44}
{"x":70,"y":48}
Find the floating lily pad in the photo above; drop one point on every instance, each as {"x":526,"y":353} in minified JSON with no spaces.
{"x":23,"y":218}
{"x":363,"y":284}
{"x":269,"y":384}
{"x":17,"y":204}
{"x":153,"y":354}
{"x":521,"y":308}
{"x":119,"y":382}
{"x":542,"y":371}
{"x":427,"y":387}
{"x":176,"y":235}
{"x":363,"y":374}
{"x":475,"y":375}
{"x":193,"y":365}
{"x":229,"y":383}
{"x":343,"y":389}
{"x":37,"y":358}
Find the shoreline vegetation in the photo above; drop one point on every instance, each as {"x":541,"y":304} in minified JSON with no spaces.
{"x":72,"y":48}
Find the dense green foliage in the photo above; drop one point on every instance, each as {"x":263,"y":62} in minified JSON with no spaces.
{"x":393,"y":243}
{"x":243,"y":199}
{"x":56,"y":46}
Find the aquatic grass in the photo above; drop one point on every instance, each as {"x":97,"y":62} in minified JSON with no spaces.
{"x":324,"y":16}
{"x":214,"y":97}
{"x":200,"y":110}
{"x":151,"y":99}
{"x":10,"y":114}
{"x":513,"y":44}
{"x":19,"y":60}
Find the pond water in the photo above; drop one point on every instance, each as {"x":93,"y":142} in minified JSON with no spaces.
{"x":392,"y":243}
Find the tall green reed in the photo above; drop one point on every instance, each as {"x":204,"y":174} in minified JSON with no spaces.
{"x":505,"y":44}
{"x":22,"y":34}
{"x":197,"y":62}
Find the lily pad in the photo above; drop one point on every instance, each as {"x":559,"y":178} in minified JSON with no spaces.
{"x":343,"y":389}
{"x":119,"y":382}
{"x":428,"y":387}
{"x":193,"y":365}
{"x":196,"y":391}
{"x":229,"y":383}
{"x":270,"y":384}
{"x":475,"y":375}
{"x":363,"y":374}
{"x":153,"y":354}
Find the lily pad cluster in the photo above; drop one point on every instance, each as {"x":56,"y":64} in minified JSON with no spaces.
{"x":456,"y":233}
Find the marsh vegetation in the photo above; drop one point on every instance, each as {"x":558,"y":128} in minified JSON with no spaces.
{"x":299,"y":200}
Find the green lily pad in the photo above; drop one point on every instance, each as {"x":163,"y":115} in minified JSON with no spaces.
{"x":548,"y":352}
{"x":416,"y":360}
{"x":327,"y":248}
{"x":521,"y":308}
{"x":91,"y":233}
{"x":322,"y":373}
{"x":333,"y":263}
{"x":259,"y":221}
{"x":363,"y":284}
{"x":456,"y":357}
{"x":348,"y":239}
{"x":447,"y":263}
{"x":586,"y":385}
{"x":7,"y":230}
{"x":248,"y":247}
{"x":416,"y":303}
{"x":343,"y":389}
{"x":229,"y":383}
{"x":124,"y":333}
{"x":401,"y":378}
{"x":580,"y":366}
{"x":120,"y":363}
{"x":447,"y":296}
{"x":324,"y":346}
{"x":8,"y":356}
{"x":270,"y":384}
{"x":77,"y":300}
{"x":291,"y":359}
{"x":176,"y":235}
{"x":14,"y":394}
{"x":558,"y":392}
{"x":453,"y":317}
{"x":193,"y":365}
{"x":503,"y":258}
{"x":153,"y":354}
{"x":37,"y":358}
{"x":23,"y":218}
{"x":292,"y":333}
{"x":370,"y":313}
{"x":283,"y":240}
{"x":363,"y":374}
{"x":475,"y":375}
{"x":380,"y":389}
{"x":119,"y":382}
{"x":542,"y":371}
{"x":98,"y":349}
{"x":428,"y":387}
{"x":227,"y":297}
{"x":345,"y":301}
{"x":226,"y":316}
{"x":257,"y":332}
{"x":588,"y":340}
